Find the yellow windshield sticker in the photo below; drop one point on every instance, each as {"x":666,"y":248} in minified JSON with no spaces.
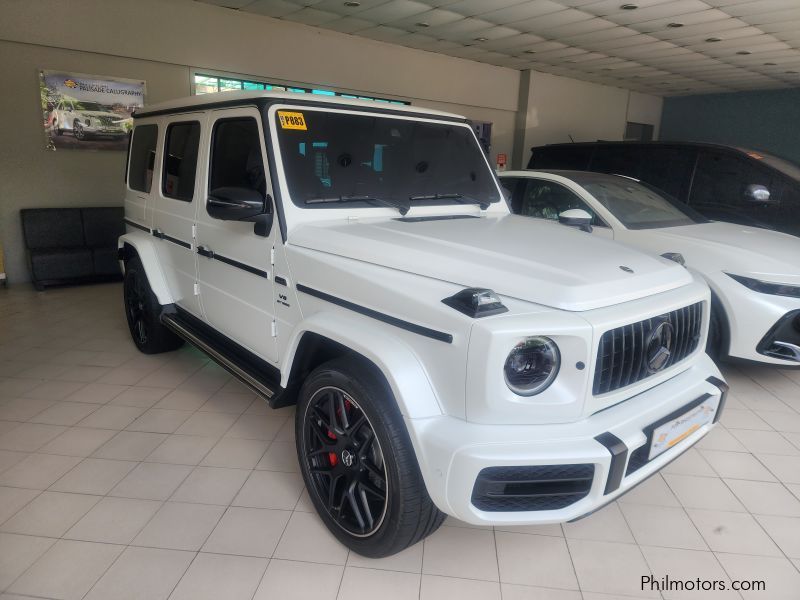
{"x":292,"y":120}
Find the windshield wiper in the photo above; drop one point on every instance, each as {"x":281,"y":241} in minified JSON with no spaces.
{"x":460,"y":198}
{"x":402,"y":208}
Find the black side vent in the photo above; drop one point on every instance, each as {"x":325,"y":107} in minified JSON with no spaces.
{"x":638,"y":459}
{"x":542,"y":487}
{"x":622,"y":355}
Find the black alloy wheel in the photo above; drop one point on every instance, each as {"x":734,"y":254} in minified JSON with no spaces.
{"x":136,"y":307}
{"x":345,"y":461}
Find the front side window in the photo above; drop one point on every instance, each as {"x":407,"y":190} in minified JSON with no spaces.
{"x":142,"y":157}
{"x":373,"y":160}
{"x":547,"y":199}
{"x":636,"y":206}
{"x":236,"y":159}
{"x":180,"y":160}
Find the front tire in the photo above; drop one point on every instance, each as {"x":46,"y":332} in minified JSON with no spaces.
{"x":144,"y":313}
{"x":78,"y":132}
{"x":358,"y":463}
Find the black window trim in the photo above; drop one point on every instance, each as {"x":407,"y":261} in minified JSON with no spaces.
{"x":169,"y":126}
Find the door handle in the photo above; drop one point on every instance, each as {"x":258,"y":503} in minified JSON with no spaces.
{"x":205,"y":251}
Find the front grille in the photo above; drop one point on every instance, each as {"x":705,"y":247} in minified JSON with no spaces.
{"x":622,"y":357}
{"x":542,"y":487}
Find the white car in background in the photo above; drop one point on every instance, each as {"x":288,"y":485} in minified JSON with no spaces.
{"x":754,"y":274}
{"x":88,"y":120}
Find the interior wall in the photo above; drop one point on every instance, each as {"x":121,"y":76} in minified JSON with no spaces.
{"x":560,"y":110}
{"x":765,"y":120}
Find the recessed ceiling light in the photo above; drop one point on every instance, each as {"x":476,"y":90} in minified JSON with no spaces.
{"x":744,"y":52}
{"x":352,"y":4}
{"x":423,"y":24}
{"x":675,"y":25}
{"x":482,"y":39}
{"x":791,"y":72}
{"x":629,"y":6}
{"x":770,"y":64}
{"x":530,"y":51}
{"x":713,"y":39}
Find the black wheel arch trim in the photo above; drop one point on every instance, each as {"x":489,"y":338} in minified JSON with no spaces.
{"x":379,"y":316}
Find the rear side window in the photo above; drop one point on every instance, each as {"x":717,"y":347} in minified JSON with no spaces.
{"x":180,"y":160}
{"x":667,"y":168}
{"x":619,"y":160}
{"x":236,"y":155}
{"x":561,"y":157}
{"x":143,"y":157}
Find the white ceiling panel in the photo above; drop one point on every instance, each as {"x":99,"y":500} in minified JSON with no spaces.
{"x":661,"y":46}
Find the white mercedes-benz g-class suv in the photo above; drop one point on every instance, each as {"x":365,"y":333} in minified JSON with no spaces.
{"x":359,"y":260}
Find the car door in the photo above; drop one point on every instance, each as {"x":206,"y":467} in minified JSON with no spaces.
{"x":175,"y":206}
{"x":234,"y":262}
{"x":545,"y":199}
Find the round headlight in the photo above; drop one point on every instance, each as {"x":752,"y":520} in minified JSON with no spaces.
{"x":532,"y":366}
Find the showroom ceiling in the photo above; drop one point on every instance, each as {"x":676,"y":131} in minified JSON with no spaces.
{"x":668,"y":47}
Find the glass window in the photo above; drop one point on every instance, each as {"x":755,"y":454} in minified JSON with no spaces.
{"x":142,"y":157}
{"x":637,"y":206}
{"x":180,"y":160}
{"x":619,"y":159}
{"x":548,"y":199}
{"x":719,"y":185}
{"x":668,"y":168}
{"x":561,"y":157}
{"x":369,"y":159}
{"x":236,"y":156}
{"x":205,"y":84}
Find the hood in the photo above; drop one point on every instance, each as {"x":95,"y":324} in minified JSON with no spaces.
{"x":737,"y":249}
{"x":528,"y":259}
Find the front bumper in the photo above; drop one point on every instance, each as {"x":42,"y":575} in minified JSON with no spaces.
{"x":452,"y":453}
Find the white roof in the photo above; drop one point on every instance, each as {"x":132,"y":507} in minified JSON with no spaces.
{"x":204,"y":99}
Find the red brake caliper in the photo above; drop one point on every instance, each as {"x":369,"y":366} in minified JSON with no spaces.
{"x":332,"y":458}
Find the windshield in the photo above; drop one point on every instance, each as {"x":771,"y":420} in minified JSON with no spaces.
{"x":635,"y":205}
{"x":376,"y":160}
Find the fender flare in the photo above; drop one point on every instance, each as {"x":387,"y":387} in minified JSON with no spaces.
{"x":396,"y":361}
{"x":146,"y":250}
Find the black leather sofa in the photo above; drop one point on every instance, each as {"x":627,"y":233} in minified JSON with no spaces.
{"x":72,"y":245}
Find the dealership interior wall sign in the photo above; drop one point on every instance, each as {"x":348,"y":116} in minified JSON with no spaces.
{"x":88,"y":112}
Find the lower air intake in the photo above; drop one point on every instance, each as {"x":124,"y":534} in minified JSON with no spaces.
{"x":541,"y":487}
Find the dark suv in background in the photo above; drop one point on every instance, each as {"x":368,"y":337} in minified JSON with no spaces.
{"x":721,"y":182}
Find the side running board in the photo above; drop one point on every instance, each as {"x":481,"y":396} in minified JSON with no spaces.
{"x":255,"y":373}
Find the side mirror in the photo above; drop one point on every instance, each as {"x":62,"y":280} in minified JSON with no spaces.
{"x":757,"y":193}
{"x":241,"y":204}
{"x":576,"y":217}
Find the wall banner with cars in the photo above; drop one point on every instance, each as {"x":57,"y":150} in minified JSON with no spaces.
{"x":88,"y":112}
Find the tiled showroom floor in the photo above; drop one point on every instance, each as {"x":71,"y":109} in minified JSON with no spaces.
{"x":124,"y":476}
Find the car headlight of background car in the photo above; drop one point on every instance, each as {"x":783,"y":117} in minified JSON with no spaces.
{"x":532,"y":365}
{"x":766,"y":287}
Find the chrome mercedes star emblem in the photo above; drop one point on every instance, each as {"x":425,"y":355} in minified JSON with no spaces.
{"x":347,"y":458}
{"x":659,"y":346}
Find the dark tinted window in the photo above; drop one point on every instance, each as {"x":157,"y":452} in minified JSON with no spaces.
{"x":617,"y":159}
{"x":180,"y":160}
{"x":561,"y":157}
{"x":719,"y":185}
{"x":142,"y":157}
{"x":236,"y":155}
{"x":667,"y":168}
{"x":509,"y":185}
{"x":547,"y":199}
{"x":331,"y":158}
